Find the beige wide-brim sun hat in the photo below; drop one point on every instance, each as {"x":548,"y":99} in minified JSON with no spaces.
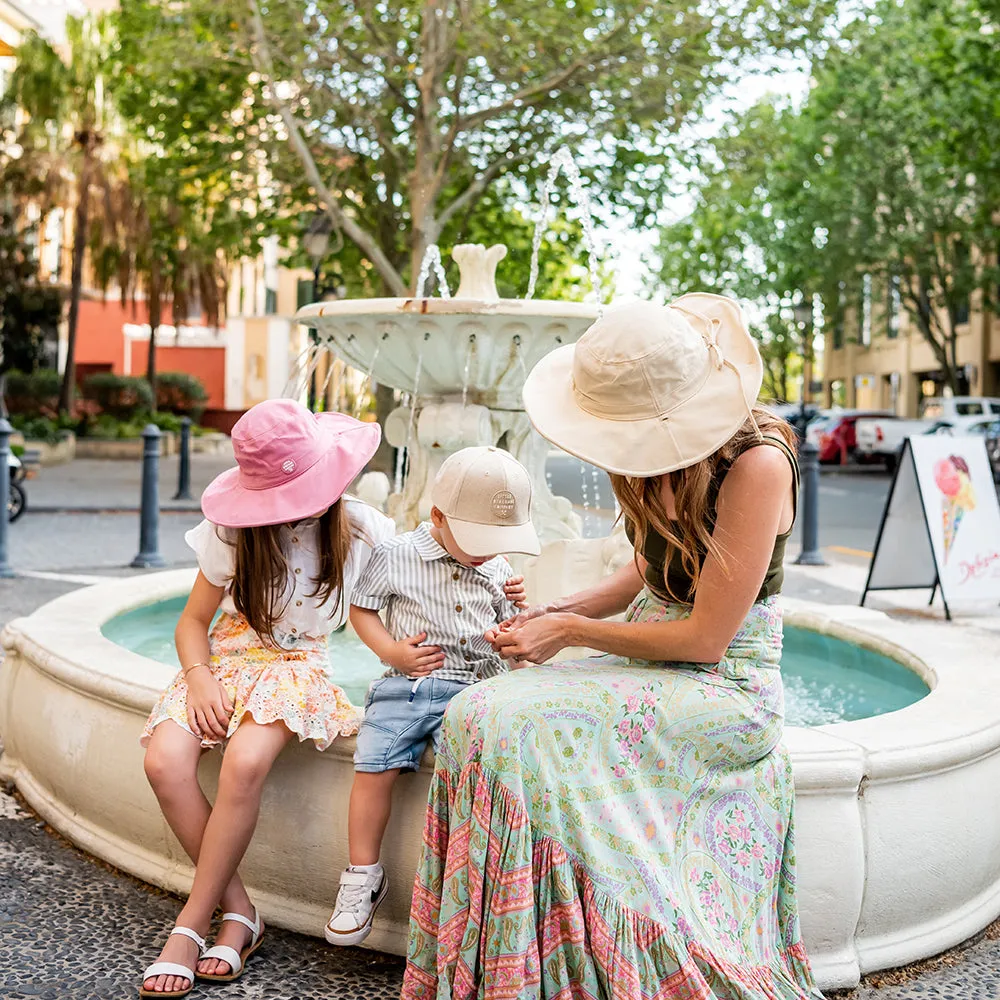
{"x":649,"y":388}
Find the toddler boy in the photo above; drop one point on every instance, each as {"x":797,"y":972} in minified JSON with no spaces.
{"x":441,"y":587}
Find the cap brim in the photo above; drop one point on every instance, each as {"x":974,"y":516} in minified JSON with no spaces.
{"x":351,"y":445}
{"x":494,"y":539}
{"x":654,"y":446}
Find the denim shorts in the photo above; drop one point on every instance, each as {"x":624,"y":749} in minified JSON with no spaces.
{"x":401,"y":715}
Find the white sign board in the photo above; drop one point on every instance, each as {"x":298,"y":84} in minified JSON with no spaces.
{"x":941,"y":525}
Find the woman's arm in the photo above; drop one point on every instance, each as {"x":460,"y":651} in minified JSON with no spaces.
{"x":610,"y":596}
{"x":749,"y":511}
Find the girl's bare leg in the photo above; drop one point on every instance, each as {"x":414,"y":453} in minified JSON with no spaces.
{"x":247,"y":762}
{"x":172,"y":770}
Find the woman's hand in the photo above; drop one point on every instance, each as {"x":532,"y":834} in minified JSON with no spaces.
{"x":535,"y":611}
{"x":412,"y":659}
{"x":513,"y":590}
{"x":537,"y":640}
{"x":209,"y":707}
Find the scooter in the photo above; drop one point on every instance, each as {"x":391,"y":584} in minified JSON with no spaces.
{"x":16,"y":500}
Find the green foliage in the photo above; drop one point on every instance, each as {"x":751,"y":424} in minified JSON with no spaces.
{"x":48,"y":429}
{"x":181,"y":394}
{"x":399,"y":128}
{"x":891,"y":168}
{"x":118,"y":396}
{"x":29,"y":311}
{"x":32,"y":394}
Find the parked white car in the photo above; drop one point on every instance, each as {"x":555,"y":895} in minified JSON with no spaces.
{"x":880,"y":440}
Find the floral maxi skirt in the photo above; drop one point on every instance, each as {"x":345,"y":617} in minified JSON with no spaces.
{"x":614,"y":829}
{"x":268,"y":685}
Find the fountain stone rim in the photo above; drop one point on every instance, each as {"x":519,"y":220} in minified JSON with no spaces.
{"x":427,"y":306}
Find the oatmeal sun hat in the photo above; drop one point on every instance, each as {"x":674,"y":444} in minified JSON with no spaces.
{"x":649,"y":388}
{"x":291,"y":464}
{"x":485,"y":495}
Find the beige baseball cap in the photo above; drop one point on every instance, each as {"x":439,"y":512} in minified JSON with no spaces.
{"x":485,"y":493}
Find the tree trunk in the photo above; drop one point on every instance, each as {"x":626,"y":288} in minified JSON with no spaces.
{"x":80,"y":225}
{"x":385,"y":458}
{"x":155,"y":309}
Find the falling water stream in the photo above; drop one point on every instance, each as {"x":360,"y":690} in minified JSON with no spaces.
{"x":563,"y":160}
{"x":432,"y":259}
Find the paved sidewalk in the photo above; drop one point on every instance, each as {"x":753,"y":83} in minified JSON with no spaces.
{"x":93,"y":484}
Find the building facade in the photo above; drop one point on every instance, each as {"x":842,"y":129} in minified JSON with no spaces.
{"x":878,"y":359}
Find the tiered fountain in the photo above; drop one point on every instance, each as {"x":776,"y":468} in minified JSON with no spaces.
{"x":462,"y":361}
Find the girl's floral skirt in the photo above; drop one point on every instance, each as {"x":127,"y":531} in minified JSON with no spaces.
{"x":610,"y":829}
{"x":268,"y":685}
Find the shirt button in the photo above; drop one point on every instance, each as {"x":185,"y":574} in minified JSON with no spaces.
{"x":458,"y":607}
{"x":461,"y":642}
{"x":295,"y":538}
{"x":293,"y":631}
{"x":297,"y":571}
{"x":468,"y":657}
{"x":298,"y":604}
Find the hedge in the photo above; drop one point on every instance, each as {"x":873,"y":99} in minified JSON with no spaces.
{"x":33,"y":395}
{"x":119,"y":395}
{"x":180,"y":393}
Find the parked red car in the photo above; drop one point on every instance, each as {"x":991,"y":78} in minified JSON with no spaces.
{"x":838,"y":440}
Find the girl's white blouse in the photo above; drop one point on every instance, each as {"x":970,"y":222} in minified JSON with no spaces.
{"x":303,"y":615}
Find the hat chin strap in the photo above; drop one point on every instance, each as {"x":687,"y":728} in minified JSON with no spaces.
{"x":711,"y":339}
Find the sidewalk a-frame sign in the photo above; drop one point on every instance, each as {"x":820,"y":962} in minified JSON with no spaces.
{"x":940,"y":529}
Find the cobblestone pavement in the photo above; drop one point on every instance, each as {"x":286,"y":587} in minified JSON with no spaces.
{"x":75,"y":929}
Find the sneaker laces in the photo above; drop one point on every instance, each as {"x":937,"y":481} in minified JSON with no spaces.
{"x":354,"y":897}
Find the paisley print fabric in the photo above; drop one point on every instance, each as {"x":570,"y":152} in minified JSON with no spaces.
{"x":270,"y":685}
{"x":611,"y":828}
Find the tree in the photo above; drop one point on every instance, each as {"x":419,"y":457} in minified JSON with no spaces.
{"x":29,"y":311}
{"x":887,"y":177}
{"x":402,"y":118}
{"x":64,"y":142}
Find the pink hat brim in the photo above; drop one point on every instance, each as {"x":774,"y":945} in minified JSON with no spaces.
{"x":350,"y":446}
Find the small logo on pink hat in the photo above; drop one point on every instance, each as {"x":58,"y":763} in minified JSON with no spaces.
{"x":288,"y":466}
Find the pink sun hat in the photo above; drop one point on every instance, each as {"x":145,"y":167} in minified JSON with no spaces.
{"x":291,"y":464}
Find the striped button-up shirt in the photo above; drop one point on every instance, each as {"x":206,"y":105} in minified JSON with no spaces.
{"x":420,"y":588}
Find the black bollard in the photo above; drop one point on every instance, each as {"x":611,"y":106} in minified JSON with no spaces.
{"x":184,"y":471}
{"x":5,"y":431}
{"x":809,"y":505}
{"x":149,"y":513}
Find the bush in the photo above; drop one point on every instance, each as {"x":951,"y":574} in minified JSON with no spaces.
{"x":110,"y":428}
{"x":32,"y":394}
{"x":180,"y":393}
{"x":121,"y":396}
{"x":39,"y":428}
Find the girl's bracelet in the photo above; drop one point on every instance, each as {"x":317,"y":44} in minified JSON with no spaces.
{"x":188,"y":670}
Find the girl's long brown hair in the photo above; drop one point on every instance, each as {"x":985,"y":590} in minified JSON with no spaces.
{"x":694,"y":490}
{"x":261,"y":576}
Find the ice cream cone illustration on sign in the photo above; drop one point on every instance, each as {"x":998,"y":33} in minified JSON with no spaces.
{"x":957,"y":496}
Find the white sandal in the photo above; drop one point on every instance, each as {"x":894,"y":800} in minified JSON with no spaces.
{"x":173,"y":968}
{"x":236,"y":960}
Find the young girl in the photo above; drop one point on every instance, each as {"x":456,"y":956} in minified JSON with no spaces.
{"x":278,"y":554}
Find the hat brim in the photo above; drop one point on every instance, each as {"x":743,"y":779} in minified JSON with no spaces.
{"x":350,"y":445}
{"x":494,"y":539}
{"x":642,"y":448}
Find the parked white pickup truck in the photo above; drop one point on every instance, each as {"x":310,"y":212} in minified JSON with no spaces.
{"x":880,"y":440}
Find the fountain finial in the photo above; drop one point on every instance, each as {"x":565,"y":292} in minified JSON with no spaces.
{"x":477,"y":267}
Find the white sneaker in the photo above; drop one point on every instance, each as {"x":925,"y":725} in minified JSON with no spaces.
{"x":359,"y":897}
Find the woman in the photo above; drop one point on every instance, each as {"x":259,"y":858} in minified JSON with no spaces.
{"x":622,"y":826}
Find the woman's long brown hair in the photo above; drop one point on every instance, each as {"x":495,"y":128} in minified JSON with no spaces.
{"x":641,"y":501}
{"x":261,"y":575}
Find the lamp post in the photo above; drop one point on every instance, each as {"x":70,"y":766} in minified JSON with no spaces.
{"x":316,"y":242}
{"x":803,"y":313}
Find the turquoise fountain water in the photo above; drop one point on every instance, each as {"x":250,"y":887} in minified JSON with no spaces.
{"x":826,"y":680}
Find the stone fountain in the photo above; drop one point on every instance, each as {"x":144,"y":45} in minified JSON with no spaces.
{"x":462,"y":361}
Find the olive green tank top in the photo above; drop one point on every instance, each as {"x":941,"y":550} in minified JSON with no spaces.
{"x":654,"y":549}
